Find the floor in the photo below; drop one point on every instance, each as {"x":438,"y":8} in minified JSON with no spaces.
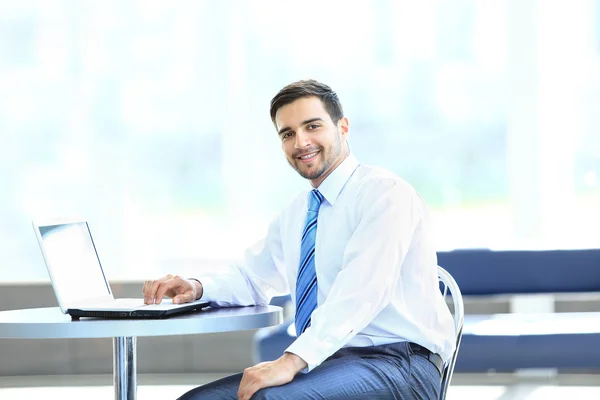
{"x":151,"y":387}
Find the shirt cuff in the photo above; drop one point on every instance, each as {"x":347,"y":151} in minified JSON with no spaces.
{"x":210,"y":289}
{"x":312,"y":350}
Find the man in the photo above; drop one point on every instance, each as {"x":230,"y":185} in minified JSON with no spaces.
{"x":357,"y":255}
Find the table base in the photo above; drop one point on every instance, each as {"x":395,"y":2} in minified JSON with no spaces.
{"x":124,"y":367}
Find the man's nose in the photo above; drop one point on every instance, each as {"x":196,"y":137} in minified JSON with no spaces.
{"x":302,"y":140}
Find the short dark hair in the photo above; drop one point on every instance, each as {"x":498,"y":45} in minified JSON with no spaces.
{"x":308,"y":88}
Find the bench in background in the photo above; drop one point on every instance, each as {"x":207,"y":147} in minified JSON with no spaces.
{"x":507,"y":342}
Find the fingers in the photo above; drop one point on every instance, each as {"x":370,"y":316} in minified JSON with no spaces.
{"x":264,"y":375}
{"x":173,"y":287}
{"x":147,"y":291}
{"x":186,"y":297}
{"x":150,"y":289}
{"x":249,"y":384}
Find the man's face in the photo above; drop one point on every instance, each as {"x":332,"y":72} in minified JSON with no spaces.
{"x":313,"y":144}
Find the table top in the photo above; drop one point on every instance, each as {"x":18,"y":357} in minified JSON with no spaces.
{"x":51,"y":323}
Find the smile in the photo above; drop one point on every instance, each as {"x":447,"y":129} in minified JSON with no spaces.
{"x":307,"y":157}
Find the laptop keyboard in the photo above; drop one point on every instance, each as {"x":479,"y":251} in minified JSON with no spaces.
{"x":139,"y":303}
{"x":125,"y":303}
{"x":121,"y":303}
{"x":128,"y":303}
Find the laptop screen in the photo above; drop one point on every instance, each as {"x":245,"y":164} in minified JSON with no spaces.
{"x":73,"y":263}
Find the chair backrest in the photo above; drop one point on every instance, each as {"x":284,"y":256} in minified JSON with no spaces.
{"x":448,"y":286}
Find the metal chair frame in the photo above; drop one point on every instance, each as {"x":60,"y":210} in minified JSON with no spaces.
{"x":450,"y":284}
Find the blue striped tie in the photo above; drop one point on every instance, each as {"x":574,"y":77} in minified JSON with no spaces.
{"x":306,"y":284}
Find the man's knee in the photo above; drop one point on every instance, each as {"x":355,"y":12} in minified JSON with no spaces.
{"x":222,"y":389}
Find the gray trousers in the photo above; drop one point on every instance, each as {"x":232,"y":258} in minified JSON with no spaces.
{"x":388,"y":371}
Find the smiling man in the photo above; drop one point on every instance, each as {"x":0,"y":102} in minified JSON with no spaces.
{"x":356,"y":252}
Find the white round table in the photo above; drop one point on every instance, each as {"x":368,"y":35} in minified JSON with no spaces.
{"x":51,"y":323}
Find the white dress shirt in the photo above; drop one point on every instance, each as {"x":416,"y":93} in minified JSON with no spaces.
{"x":375,"y":261}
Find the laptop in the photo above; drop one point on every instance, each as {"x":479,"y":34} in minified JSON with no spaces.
{"x":78,"y":280}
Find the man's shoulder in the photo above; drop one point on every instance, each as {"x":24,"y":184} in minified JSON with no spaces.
{"x":376,"y":179}
{"x":374,"y":183}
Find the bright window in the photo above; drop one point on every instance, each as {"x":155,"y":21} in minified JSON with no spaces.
{"x":152,"y":120}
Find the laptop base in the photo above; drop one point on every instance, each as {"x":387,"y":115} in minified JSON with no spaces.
{"x":76,"y":314}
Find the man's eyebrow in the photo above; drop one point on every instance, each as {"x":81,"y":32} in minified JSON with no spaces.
{"x":308,"y":121}
{"x":284,"y":129}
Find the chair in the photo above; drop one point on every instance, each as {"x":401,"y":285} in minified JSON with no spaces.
{"x":270,"y":343}
{"x":448,"y":283}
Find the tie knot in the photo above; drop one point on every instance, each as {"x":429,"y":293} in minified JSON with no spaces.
{"x":314,"y":200}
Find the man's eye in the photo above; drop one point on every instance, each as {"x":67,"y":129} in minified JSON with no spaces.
{"x":286,"y":135}
{"x":313,"y":126}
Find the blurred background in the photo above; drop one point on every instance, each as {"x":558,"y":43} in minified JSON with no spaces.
{"x":151,"y":119}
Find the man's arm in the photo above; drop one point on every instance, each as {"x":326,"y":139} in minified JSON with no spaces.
{"x":260,"y":276}
{"x":370,"y":272}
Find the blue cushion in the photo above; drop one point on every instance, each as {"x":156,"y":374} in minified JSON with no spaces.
{"x":506,"y":342}
{"x":486,"y":272}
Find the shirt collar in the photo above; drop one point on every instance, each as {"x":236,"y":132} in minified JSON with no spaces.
{"x":332,"y":186}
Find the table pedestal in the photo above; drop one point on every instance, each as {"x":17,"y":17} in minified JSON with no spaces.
{"x":124,"y":370}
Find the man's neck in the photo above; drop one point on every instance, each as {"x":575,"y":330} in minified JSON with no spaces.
{"x":317,"y":182}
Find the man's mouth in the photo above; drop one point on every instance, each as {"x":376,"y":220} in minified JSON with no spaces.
{"x":308,"y":157}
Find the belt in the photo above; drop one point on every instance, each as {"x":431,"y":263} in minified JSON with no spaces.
{"x":433,"y":357}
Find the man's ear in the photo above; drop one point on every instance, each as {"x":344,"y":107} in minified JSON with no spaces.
{"x":344,"y":126}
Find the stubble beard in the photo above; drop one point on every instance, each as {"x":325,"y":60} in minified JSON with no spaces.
{"x":328,"y":160}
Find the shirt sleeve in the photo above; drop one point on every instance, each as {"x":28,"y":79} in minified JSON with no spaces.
{"x":370,"y":272}
{"x":253,"y":281}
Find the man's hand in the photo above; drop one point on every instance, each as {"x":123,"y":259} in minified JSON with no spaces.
{"x":181,"y":290}
{"x":270,"y":373}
